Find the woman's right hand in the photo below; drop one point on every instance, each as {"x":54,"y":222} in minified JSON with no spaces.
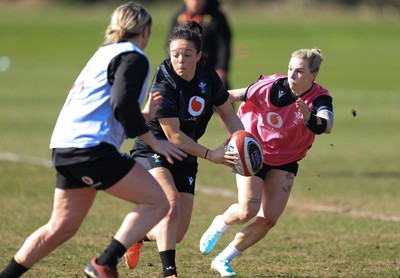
{"x":220,"y":156}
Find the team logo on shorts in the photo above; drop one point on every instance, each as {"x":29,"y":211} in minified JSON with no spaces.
{"x":196,"y":105}
{"x":156,"y":158}
{"x":191,"y":180}
{"x":87,"y":180}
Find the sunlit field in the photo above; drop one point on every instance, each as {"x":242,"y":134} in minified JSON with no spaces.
{"x":343,"y":217}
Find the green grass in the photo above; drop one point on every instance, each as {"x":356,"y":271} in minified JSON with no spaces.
{"x":334,"y":225}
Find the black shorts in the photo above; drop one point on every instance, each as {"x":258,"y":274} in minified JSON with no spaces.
{"x":291,"y":167}
{"x":184,"y":173}
{"x":104,"y":166}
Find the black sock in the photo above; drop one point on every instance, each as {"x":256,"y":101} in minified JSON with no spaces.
{"x":112,"y":254}
{"x":13,"y":270}
{"x":168,"y":262}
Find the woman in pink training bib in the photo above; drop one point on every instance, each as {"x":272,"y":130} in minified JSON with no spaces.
{"x":284,"y":113}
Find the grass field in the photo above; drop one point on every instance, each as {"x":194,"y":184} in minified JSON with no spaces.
{"x":343,"y":218}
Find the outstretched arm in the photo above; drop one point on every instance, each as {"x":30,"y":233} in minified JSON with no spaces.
{"x":229,"y":117}
{"x":237,"y":95}
{"x":171,"y":128}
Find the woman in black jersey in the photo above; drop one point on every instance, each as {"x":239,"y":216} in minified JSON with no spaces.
{"x":190,"y":90}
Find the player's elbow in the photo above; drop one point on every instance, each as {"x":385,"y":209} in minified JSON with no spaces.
{"x":329,"y":126}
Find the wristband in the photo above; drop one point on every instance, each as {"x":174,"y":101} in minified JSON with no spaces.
{"x":312,"y":125}
{"x":205,"y":156}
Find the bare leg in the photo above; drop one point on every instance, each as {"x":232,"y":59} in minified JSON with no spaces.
{"x":167,"y":232}
{"x":69,"y":210}
{"x":164,"y":233}
{"x":185,"y":215}
{"x":139,"y":187}
{"x":277,"y":187}
{"x":180,"y":212}
{"x":249,"y":200}
{"x":275,"y":194}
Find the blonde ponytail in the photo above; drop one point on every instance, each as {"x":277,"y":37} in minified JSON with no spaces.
{"x":127,"y":21}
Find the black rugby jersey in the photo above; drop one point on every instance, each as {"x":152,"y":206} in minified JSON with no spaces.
{"x":190,"y":101}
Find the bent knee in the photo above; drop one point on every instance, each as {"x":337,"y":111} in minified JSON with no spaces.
{"x":62,"y":230}
{"x":160,"y":204}
{"x":173,"y":209}
{"x":161,"y":210}
{"x":246,"y":214}
{"x":266,"y":223}
{"x":180,"y":235}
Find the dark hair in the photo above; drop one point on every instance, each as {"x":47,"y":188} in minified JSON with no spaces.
{"x":190,"y":31}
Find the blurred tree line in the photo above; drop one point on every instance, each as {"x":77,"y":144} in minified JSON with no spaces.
{"x":373,"y":3}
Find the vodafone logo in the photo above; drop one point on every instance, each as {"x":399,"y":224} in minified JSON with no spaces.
{"x":196,"y":105}
{"x":274,"y":119}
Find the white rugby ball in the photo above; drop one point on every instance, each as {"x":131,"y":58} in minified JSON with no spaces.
{"x":248,"y":150}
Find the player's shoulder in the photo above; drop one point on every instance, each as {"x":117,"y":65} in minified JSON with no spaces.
{"x":130,"y":61}
{"x":135,"y":58}
{"x":129,"y":58}
{"x":206,"y":71}
{"x":205,"y":67}
{"x":164,"y":75}
{"x":323,"y":99}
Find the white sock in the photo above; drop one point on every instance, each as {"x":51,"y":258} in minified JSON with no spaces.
{"x":219,"y":224}
{"x":229,"y":253}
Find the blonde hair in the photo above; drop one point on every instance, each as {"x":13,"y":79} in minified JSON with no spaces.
{"x":127,"y":21}
{"x":313,"y":56}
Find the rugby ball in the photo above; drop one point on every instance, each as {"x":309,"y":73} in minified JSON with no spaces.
{"x":248,"y":150}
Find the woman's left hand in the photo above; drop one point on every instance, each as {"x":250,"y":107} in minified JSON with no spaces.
{"x":151,"y":107}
